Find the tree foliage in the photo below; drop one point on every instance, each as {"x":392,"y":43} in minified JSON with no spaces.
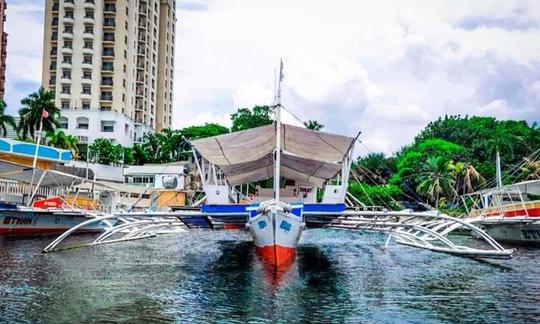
{"x":313,"y":124}
{"x":246,"y":118}
{"x":5,"y":120}
{"x":103,"y":151}
{"x":62,"y":140}
{"x":31,"y":112}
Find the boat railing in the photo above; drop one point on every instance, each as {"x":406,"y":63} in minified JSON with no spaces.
{"x":14,"y":188}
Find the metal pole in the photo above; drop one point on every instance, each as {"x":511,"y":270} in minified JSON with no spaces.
{"x":34,"y":163}
{"x":277,"y":162}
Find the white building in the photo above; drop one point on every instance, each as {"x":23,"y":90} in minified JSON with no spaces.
{"x":110,"y":64}
{"x":158,"y":176}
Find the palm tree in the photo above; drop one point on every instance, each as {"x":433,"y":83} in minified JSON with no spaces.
{"x":31,"y":112}
{"x":171,"y":144}
{"x":313,"y":124}
{"x":65,"y":141}
{"x":5,"y":119}
{"x":466,"y":176}
{"x":436,"y":180}
{"x":531,"y":169}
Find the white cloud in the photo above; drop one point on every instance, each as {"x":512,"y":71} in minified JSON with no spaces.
{"x":385,"y":67}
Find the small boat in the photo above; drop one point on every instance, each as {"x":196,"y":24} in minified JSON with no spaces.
{"x":509,"y":213}
{"x":308,"y":160}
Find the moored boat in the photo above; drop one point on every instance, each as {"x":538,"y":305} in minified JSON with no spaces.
{"x":509,"y":213}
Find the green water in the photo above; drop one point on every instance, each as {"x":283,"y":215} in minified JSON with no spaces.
{"x":202,"y":276}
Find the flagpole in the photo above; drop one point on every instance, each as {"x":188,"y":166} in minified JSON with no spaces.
{"x":34,"y":164}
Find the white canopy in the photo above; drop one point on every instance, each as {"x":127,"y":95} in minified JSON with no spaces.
{"x":308,"y":156}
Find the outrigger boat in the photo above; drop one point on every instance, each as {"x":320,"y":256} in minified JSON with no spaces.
{"x":508,"y":213}
{"x":301,"y":162}
{"x":34,"y":192}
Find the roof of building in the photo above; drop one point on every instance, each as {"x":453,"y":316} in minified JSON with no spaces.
{"x":10,"y":146}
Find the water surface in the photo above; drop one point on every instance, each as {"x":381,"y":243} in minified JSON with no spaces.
{"x":203,"y":276}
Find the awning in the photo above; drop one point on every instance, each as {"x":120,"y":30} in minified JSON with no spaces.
{"x":51,"y":178}
{"x":308,"y":156}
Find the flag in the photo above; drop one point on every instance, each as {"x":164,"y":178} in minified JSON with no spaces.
{"x":44,"y":114}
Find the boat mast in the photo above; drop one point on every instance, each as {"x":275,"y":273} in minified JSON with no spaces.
{"x":498,"y":169}
{"x":277,"y":161}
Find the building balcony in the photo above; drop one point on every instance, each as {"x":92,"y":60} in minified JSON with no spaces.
{"x":86,"y":80}
{"x":65,"y":80}
{"x":65,"y":95}
{"x":66,"y":65}
{"x":86,"y":96}
{"x":86,"y":50}
{"x":106,"y":85}
{"x":67,"y":50}
{"x":88,"y":35}
{"x":89,"y":4}
{"x":108,"y":41}
{"x":68,"y":35}
{"x":69,"y":4}
{"x":87,"y":65}
{"x":68,"y":20}
{"x":88,"y":20}
{"x":109,"y":26}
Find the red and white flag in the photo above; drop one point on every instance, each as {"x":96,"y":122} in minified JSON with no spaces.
{"x":44,"y":114}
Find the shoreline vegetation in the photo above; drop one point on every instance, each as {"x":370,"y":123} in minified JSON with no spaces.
{"x":451,"y":156}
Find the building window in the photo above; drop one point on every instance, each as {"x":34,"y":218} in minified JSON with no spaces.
{"x":106,"y":95}
{"x":67,"y":59}
{"x":86,"y":105}
{"x":105,"y":108}
{"x":107,"y":80}
{"x":68,"y":29}
{"x":54,"y":35}
{"x":62,"y":123}
{"x":52,"y":80}
{"x":65,"y":104}
{"x":108,"y":51}
{"x":87,"y":59}
{"x":54,"y":50}
{"x":108,"y":37}
{"x":89,"y":29}
{"x":86,"y":89}
{"x":107,"y":126}
{"x":89,"y":14}
{"x":66,"y":89}
{"x":55,"y":6}
{"x":66,"y":74}
{"x":53,"y":65}
{"x":68,"y":14}
{"x":82,"y":123}
{"x":107,"y":66}
{"x":87,"y":74}
{"x":68,"y":44}
{"x":110,"y":7}
{"x":109,"y":22}
{"x":88,"y":44}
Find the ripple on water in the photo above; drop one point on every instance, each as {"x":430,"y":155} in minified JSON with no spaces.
{"x":202,"y":276}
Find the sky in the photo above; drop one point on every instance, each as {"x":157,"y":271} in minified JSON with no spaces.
{"x":382,"y":68}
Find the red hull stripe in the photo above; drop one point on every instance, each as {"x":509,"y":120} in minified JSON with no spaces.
{"x":533,"y":212}
{"x":277,"y":255}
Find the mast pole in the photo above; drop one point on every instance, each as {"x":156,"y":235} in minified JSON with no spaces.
{"x":277,"y":162}
{"x":34,"y":162}
{"x":498,"y":169}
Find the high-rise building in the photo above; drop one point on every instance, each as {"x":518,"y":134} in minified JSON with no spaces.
{"x":110,"y":64}
{"x":3,"y":48}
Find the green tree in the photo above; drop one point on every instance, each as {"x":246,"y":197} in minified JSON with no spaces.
{"x":376,"y":195}
{"x":5,"y":119}
{"x":466,"y":176}
{"x":530,"y":170}
{"x":103,"y":151}
{"x":436,"y":180}
{"x":246,"y":118}
{"x":206,"y":130}
{"x":313,"y":124}
{"x":140,"y":155}
{"x":62,"y":140}
{"x":375,"y":168}
{"x":31,"y":112}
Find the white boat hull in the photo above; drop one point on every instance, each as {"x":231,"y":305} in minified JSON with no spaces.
{"x":42,"y":222}
{"x":276,"y":234}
